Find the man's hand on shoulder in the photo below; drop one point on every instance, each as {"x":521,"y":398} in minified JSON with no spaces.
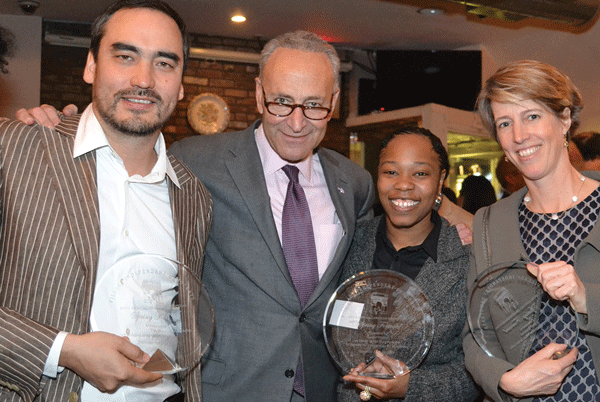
{"x":465,"y":234}
{"x":455,"y":214}
{"x":458,"y":217}
{"x":105,"y":360}
{"x":45,"y":115}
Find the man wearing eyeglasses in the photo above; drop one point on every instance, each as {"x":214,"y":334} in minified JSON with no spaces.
{"x":267,"y":324}
{"x":284,"y":216}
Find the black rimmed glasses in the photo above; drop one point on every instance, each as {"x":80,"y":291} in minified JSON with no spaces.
{"x":285,"y":109}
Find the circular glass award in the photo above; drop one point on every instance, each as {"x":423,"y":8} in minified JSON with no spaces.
{"x":503,"y":311}
{"x":378,"y":310}
{"x":160,"y":305}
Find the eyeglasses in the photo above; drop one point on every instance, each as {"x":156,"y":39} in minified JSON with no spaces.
{"x":284,"y":109}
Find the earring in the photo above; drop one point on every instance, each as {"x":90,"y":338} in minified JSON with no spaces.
{"x":438,"y":201}
{"x":566,"y":143}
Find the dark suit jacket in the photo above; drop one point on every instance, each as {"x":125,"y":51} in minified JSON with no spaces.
{"x":50,"y":234}
{"x":261,"y":331}
{"x":442,"y":375}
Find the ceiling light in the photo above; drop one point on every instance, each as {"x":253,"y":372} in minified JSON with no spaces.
{"x":430,"y":11}
{"x":28,"y":6}
{"x":238,"y":18}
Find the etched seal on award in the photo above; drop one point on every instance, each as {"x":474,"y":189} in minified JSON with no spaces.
{"x":160,"y":305}
{"x":378,"y":310}
{"x":503,"y":311}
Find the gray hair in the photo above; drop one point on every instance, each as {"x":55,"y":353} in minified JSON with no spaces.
{"x":305,"y":41}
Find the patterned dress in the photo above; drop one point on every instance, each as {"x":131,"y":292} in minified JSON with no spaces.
{"x":548,"y":239}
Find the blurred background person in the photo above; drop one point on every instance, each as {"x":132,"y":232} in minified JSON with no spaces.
{"x":449,"y":194}
{"x":411,"y":238}
{"x":530,"y":108}
{"x":509,"y":177}
{"x":7,"y":49}
{"x":584,"y":151}
{"x":476,"y":192}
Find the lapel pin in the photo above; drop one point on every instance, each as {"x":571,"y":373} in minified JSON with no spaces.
{"x":341,"y":190}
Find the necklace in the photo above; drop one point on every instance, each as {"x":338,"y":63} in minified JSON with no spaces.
{"x":555,"y":215}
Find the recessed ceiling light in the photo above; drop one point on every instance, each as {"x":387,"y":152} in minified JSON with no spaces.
{"x":430,"y":11}
{"x":238,"y":18}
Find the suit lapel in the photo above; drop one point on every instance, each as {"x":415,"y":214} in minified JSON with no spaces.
{"x":246,"y":170}
{"x":77,"y":187}
{"x":180,"y":211}
{"x":186,"y":208}
{"x":504,"y":220}
{"x":436,"y":278}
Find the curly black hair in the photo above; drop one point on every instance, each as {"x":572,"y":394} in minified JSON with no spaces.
{"x":7,"y":48}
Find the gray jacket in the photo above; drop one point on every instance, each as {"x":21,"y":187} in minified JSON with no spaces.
{"x":504,"y":242}
{"x":261,"y":329}
{"x":442,"y":376}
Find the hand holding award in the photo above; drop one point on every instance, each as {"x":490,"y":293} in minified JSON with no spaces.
{"x":160,"y":305}
{"x":378,"y":310}
{"x":503,"y":309}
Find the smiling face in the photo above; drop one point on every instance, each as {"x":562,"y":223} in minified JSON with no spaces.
{"x":137,"y":75}
{"x":296,"y":77}
{"x":408,"y":181}
{"x":532,"y":137}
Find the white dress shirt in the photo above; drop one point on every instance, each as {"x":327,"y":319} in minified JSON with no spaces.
{"x":327,"y":227}
{"x":135,"y":218}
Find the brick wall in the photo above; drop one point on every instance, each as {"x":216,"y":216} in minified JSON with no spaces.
{"x":234,"y":82}
{"x":62,"y":83}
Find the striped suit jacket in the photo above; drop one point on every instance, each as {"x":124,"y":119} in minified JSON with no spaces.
{"x":49,"y":245}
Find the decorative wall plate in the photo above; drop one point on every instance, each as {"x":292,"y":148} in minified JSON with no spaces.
{"x":208,"y":114}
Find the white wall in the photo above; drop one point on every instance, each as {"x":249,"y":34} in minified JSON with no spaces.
{"x":577,"y":55}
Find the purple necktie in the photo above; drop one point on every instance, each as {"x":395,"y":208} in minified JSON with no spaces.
{"x":298,"y":242}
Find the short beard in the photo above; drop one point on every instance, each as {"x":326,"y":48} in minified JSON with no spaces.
{"x":133,"y":127}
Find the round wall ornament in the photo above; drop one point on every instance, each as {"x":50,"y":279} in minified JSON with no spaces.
{"x":208,"y":114}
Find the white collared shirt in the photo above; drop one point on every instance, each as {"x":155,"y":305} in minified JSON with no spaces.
{"x":135,"y":218}
{"x":327,"y":227}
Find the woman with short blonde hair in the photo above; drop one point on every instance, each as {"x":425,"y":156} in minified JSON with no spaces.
{"x":531,"y":108}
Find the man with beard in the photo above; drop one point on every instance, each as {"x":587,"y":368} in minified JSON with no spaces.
{"x":268,"y":343}
{"x":77,"y":199}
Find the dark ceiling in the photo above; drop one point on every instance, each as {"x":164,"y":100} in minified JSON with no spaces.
{"x":372,"y":24}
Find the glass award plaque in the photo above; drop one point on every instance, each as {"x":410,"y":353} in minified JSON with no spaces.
{"x":504,"y":306}
{"x":160,"y":305}
{"x":378,"y":310}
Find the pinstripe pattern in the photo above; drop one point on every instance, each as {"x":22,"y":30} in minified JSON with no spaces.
{"x":192,"y":216}
{"x":49,"y":251}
